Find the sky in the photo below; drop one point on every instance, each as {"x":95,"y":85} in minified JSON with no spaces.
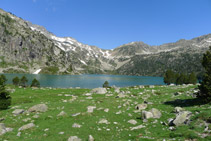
{"x":110,"y":23}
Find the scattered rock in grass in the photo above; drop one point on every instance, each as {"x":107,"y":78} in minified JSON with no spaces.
{"x":1,"y":119}
{"x":62,"y":113}
{"x":2,"y":129}
{"x":36,"y":116}
{"x":38,"y":108}
{"x":106,"y":110}
{"x":117,"y":90}
{"x":121,"y":95}
{"x":75,"y":125}
{"x":103,"y":121}
{"x":151,"y":86}
{"x":132,"y":121}
{"x":119,"y":112}
{"x":182,"y":118}
{"x":76,"y":114}
{"x":177,"y":93}
{"x":178,"y":109}
{"x":26,"y":119}
{"x":91,"y":138}
{"x":137,"y":127}
{"x":141,"y":106}
{"x":88,"y":94}
{"x":27,"y":126}
{"x":46,"y":129}
{"x":18,"y":112}
{"x":129,"y":115}
{"x":90,"y":109}
{"x":61,"y":133}
{"x":73,"y":98}
{"x":99,"y":90}
{"x":146,"y":115}
{"x":89,"y":97}
{"x":74,"y":138}
{"x":18,"y":134}
{"x":156,"y":113}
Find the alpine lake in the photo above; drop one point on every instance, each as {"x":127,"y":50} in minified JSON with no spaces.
{"x":88,"y":80}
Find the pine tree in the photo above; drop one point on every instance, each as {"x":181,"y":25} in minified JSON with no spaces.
{"x":35,"y":83}
{"x":169,"y":77}
{"x":16,"y":81}
{"x":180,"y":79}
{"x":205,"y":87}
{"x":5,"y":99}
{"x":23,"y":81}
{"x":106,"y":84}
{"x":4,"y":79}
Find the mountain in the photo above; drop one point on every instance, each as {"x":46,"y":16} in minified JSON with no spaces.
{"x":29,"y":48}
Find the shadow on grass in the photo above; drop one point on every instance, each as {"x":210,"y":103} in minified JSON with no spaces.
{"x":186,"y":102}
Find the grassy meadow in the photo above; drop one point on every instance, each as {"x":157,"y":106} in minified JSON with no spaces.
{"x":117,"y":112}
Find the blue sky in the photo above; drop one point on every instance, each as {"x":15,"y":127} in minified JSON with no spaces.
{"x":111,"y":23}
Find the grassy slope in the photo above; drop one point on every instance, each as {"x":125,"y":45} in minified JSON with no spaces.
{"x":25,"y":98}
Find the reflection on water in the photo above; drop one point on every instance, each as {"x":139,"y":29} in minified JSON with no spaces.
{"x":88,"y":80}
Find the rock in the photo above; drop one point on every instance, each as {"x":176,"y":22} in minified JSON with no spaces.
{"x":27,"y":126}
{"x":156,"y":113}
{"x":74,"y":138}
{"x":76,"y":114}
{"x":38,"y":108}
{"x":75,"y":125}
{"x":99,"y":90}
{"x":90,"y":109}
{"x":18,"y":111}
{"x":141,"y":106}
{"x":117,"y":90}
{"x":36,"y":116}
{"x":151,"y":86}
{"x":121,"y":95}
{"x":178,"y":109}
{"x":91,"y":138}
{"x":62,"y":113}
{"x":146,"y":115}
{"x":1,"y":119}
{"x":182,"y":118}
{"x":2,"y":129}
{"x":137,"y":127}
{"x":103,"y":121}
{"x":132,"y":121}
{"x":106,"y":110}
{"x":18,"y":134}
{"x":61,"y":133}
{"x":177,"y":93}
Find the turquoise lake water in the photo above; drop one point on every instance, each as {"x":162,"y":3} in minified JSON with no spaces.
{"x":88,"y":80}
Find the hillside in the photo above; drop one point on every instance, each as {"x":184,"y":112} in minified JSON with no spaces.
{"x":29,"y":48}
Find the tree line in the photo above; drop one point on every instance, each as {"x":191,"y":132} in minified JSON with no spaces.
{"x":171,"y":77}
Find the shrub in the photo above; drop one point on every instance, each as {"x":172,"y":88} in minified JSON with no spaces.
{"x":5,"y":99}
{"x":16,"y":81}
{"x":106,"y":84}
{"x":4,"y":79}
{"x":35,"y":83}
{"x":23,"y":81}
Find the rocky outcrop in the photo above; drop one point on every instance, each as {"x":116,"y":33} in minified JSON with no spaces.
{"x":38,"y":108}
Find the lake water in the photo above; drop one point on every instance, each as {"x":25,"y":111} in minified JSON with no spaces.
{"x":88,"y":80}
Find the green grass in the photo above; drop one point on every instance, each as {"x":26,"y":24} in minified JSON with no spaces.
{"x":25,"y":98}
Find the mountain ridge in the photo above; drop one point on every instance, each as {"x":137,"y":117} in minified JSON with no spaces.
{"x":27,"y":48}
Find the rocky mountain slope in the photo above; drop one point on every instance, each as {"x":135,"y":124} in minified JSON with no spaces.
{"x":29,"y":48}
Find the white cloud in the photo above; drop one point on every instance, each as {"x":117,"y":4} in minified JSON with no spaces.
{"x":34,"y":1}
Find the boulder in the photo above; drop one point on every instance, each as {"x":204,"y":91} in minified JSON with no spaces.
{"x":182,"y":118}
{"x":103,"y":121}
{"x":91,"y":138}
{"x":146,"y":115}
{"x":132,"y":121}
{"x":90,"y":109}
{"x":75,"y":125}
{"x":73,"y":138}
{"x":27,"y":126}
{"x":18,"y":111}
{"x":137,"y":127}
{"x":2,"y":129}
{"x":141,"y":106}
{"x":178,"y":109}
{"x":38,"y":108}
{"x":121,"y":95}
{"x":99,"y":90}
{"x":156,"y":113}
